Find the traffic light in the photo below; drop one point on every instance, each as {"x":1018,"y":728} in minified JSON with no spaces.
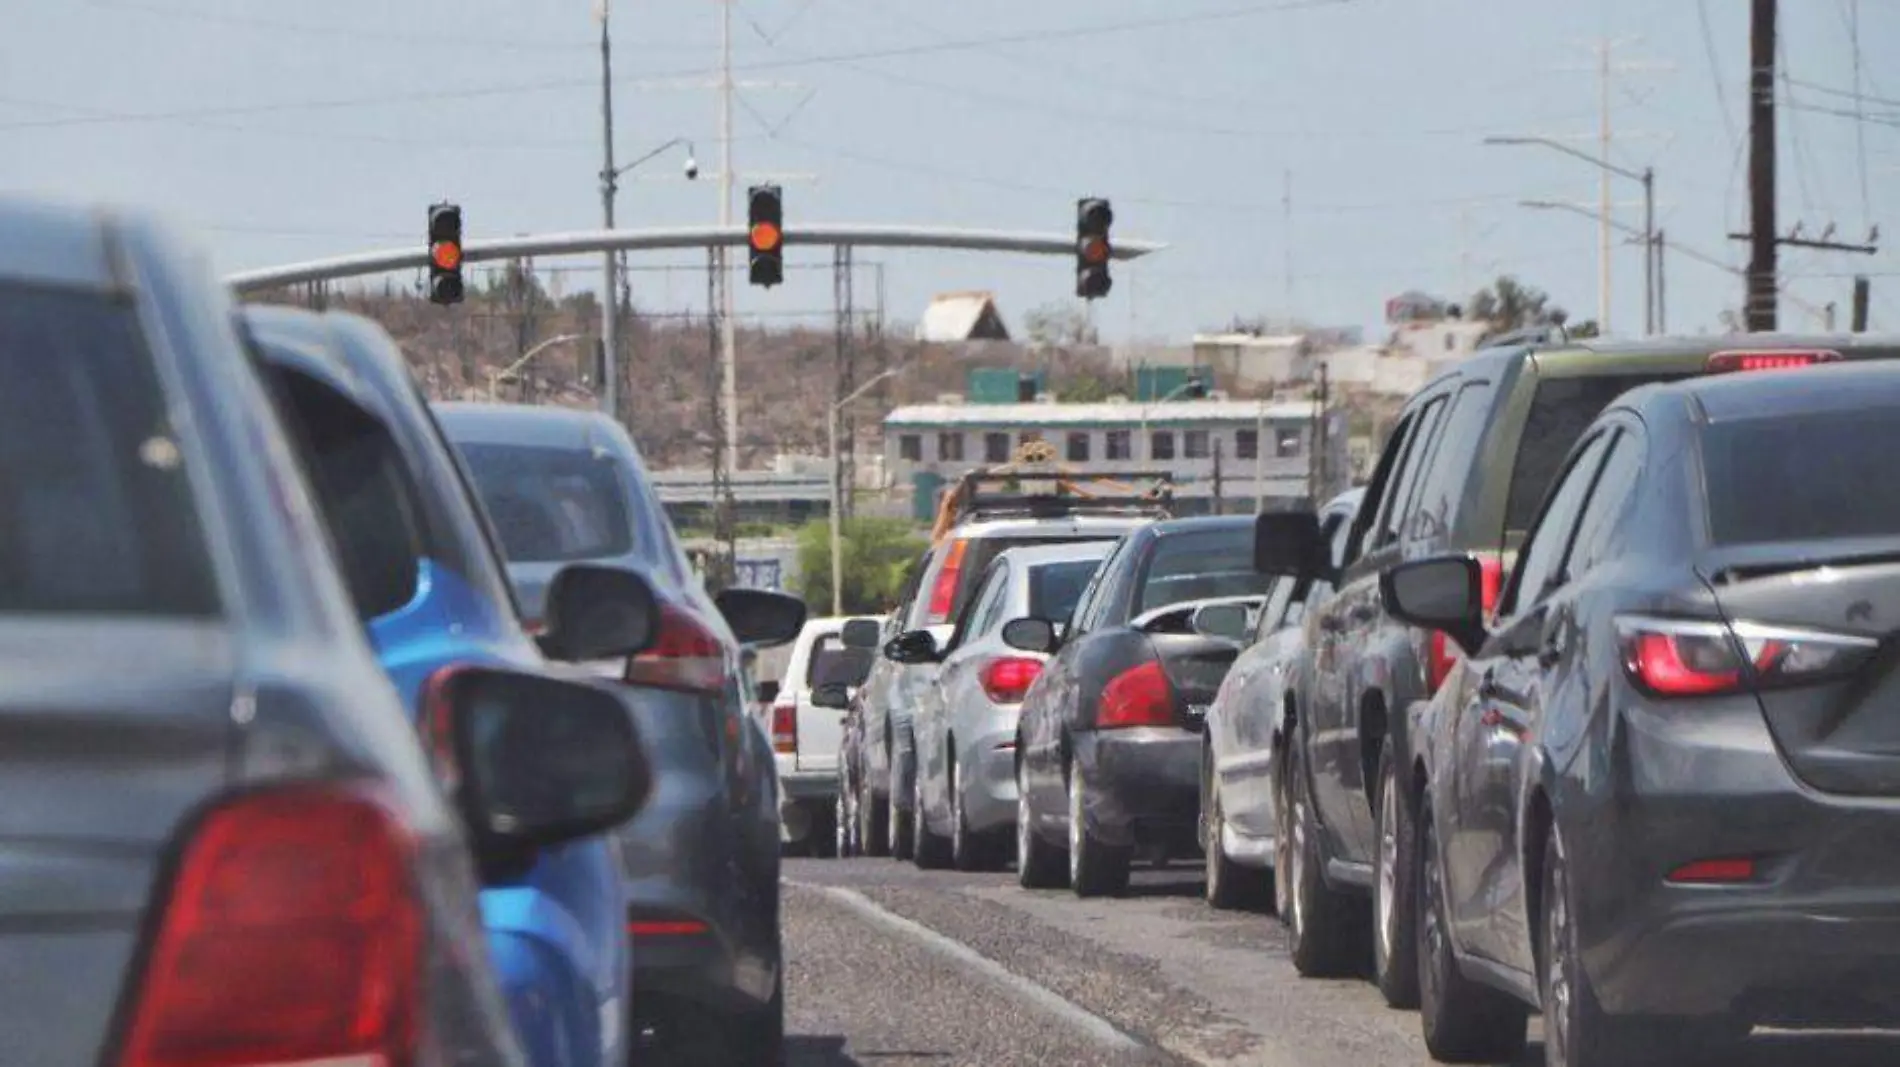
{"x":445,"y":253}
{"x":1092,"y":247}
{"x":765,"y":234}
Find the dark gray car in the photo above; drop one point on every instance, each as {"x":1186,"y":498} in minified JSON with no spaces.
{"x":702,"y":860}
{"x":192,"y":725}
{"x":1658,"y":800}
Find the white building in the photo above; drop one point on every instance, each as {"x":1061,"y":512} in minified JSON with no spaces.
{"x":1260,"y":449}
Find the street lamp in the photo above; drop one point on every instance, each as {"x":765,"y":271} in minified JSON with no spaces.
{"x":837,"y":501}
{"x":1647,"y":176}
{"x":495,"y":377}
{"x":1148,"y":446}
{"x":1655,"y":249}
{"x":610,"y":265}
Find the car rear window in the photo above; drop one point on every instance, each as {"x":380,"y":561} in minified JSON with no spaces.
{"x":1560,"y":411}
{"x":1803,"y":477}
{"x":1200,"y":565}
{"x":1055,"y":587}
{"x":96,"y":509}
{"x":550,"y":504}
{"x":976,"y":560}
{"x":831,"y":661}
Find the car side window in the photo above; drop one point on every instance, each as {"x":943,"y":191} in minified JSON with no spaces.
{"x":1087,"y":607}
{"x":1376,"y":489}
{"x":1435,"y":504}
{"x":989,"y":605}
{"x":1273,"y":613}
{"x":1539,"y":568}
{"x":907,"y":595}
{"x":1609,"y":504}
{"x":1398,"y":503}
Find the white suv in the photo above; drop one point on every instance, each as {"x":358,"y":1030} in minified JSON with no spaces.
{"x":805,"y":736}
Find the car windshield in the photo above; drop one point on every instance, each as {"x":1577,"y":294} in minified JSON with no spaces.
{"x":96,"y":509}
{"x":1831,"y":477}
{"x":1199,"y":565}
{"x":551,"y":505}
{"x":1055,"y":587}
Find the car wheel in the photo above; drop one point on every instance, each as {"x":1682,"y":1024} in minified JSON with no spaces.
{"x":897,"y":827}
{"x":762,"y":1035}
{"x":1230,"y":885}
{"x":1038,"y":864}
{"x":1395,"y":891}
{"x":1326,"y":930}
{"x":1095,"y":869}
{"x":844,"y":826}
{"x":1464,"y":1022}
{"x":873,"y":813}
{"x":929,"y":850}
{"x":1282,"y":842}
{"x":1577,"y":1033}
{"x":969,"y":851}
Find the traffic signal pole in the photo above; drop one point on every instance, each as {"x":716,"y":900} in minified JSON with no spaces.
{"x":609,"y":288}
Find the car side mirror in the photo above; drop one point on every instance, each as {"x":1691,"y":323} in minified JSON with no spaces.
{"x":767,"y":691}
{"x":835,"y":695}
{"x":1031,"y":635}
{"x":860,"y":633}
{"x":1227,"y":622}
{"x":533,"y":761}
{"x":595,"y":613}
{"x":761,"y":617}
{"x":1291,"y":544}
{"x":912,"y":646}
{"x":1440,"y":593}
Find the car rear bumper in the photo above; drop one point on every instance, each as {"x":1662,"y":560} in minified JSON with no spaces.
{"x":1811,"y":938}
{"x":1142,"y":786}
{"x":804,"y":786}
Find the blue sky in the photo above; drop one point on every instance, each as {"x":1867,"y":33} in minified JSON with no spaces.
{"x":1189,"y":118}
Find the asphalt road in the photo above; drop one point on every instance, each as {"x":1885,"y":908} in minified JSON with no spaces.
{"x":889,"y":966}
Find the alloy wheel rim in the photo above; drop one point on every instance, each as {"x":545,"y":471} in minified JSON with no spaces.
{"x":1432,"y":922}
{"x":1075,"y":826}
{"x":1562,"y":996}
{"x":1296,"y":878}
{"x":1214,"y":819}
{"x":840,"y":831}
{"x":919,"y":826}
{"x":959,"y":838}
{"x":1023,"y":842}
{"x":1388,"y":867}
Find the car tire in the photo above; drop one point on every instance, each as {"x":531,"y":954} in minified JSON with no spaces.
{"x":1326,"y":930}
{"x":969,"y":851}
{"x":1096,"y":869}
{"x":1282,"y":841}
{"x":759,"y":1036}
{"x":1577,"y":1032}
{"x":844,"y":825}
{"x":1395,"y":890}
{"x":1464,"y":1022}
{"x":873,"y":815}
{"x":1230,"y":886}
{"x":897,"y":827}
{"x":929,"y":850}
{"x":1039,"y":865}
{"x":824,"y":831}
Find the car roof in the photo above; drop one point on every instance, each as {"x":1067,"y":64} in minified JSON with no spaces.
{"x":1200,"y":523}
{"x":52,"y":242}
{"x":1817,"y":391}
{"x":1065,"y":552}
{"x":1662,"y":354}
{"x":523,"y":424}
{"x":1053,"y":526}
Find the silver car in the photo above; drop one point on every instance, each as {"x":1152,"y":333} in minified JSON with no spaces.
{"x":965,"y":722}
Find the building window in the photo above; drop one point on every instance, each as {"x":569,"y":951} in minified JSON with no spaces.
{"x":1246,"y":444}
{"x":1161,"y":444}
{"x":1286,"y":443}
{"x":910,"y":447}
{"x":996,"y":448}
{"x":1120,"y":445}
{"x":1194,"y":444}
{"x":1078,"y":448}
{"x":950,"y":447}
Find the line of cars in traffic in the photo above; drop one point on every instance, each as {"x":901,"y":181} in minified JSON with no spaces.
{"x":340,"y":727}
{"x":1583,"y":705}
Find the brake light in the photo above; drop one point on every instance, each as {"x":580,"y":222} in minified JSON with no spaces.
{"x":665,"y":927}
{"x":1725,"y":362}
{"x":1686,"y":658}
{"x":1007,"y":678}
{"x":293,"y":935}
{"x":943,"y":594}
{"x":1715,"y":872}
{"x":785,"y":728}
{"x":1444,"y":652}
{"x":1139,"y":696}
{"x":687,"y":656}
{"x":534,"y":627}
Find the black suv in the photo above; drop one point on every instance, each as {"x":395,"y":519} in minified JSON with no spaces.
{"x":1465,"y":469}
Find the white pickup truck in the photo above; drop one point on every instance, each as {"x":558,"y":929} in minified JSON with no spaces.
{"x":806,"y":737}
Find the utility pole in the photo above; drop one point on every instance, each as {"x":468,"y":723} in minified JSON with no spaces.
{"x":1659,"y":247}
{"x":1220,"y":503}
{"x":728,"y":355}
{"x":1863,"y":296}
{"x":609,"y":363}
{"x":1762,"y":297}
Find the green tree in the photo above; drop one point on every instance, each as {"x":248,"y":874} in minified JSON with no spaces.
{"x":875,"y":552}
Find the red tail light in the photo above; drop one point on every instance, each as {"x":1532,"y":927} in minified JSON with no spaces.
{"x":1725,"y":362}
{"x":1443,"y":652}
{"x":943,"y":594}
{"x":1688,"y":658}
{"x":1007,"y":678}
{"x":665,"y":927}
{"x":1715,"y":872}
{"x":534,"y":627}
{"x":785,"y":728}
{"x":687,"y":656}
{"x":1139,"y":696}
{"x":293,"y":935}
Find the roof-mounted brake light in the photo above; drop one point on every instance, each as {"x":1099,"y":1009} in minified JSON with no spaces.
{"x":1783,"y":359}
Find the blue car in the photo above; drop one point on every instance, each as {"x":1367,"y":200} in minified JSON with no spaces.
{"x":422,"y":565}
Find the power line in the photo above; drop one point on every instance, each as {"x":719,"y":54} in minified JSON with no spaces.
{"x":1833,"y":90}
{"x":1715,"y":74}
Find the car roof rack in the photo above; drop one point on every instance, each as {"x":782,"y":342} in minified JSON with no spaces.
{"x":1034,"y":485}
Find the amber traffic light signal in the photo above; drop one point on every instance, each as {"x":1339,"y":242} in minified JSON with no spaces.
{"x":1092,"y":247}
{"x":765,"y":234}
{"x":445,"y":253}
